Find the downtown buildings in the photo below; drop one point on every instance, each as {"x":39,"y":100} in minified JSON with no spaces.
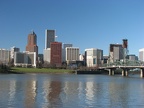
{"x":49,"y":37}
{"x":53,"y":50}
{"x":56,"y":53}
{"x":30,"y":56}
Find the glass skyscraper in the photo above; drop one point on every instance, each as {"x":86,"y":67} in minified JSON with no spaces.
{"x":49,"y":37}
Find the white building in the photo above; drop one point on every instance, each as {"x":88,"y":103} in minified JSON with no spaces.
{"x":47,"y":55}
{"x":25,"y":59}
{"x":4,"y":56}
{"x":141,"y":54}
{"x":72,"y":54}
{"x":64,"y":51}
{"x":12,"y":50}
{"x":93,"y":57}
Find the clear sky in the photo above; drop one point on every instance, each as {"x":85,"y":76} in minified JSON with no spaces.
{"x":83,"y":23}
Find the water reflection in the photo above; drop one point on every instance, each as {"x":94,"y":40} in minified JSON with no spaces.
{"x":89,"y":92}
{"x":63,"y":91}
{"x":30,"y":93}
{"x":54,"y":95}
{"x":12,"y":91}
{"x":46,"y":90}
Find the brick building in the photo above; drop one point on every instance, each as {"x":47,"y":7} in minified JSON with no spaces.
{"x":32,"y":43}
{"x":56,"y":53}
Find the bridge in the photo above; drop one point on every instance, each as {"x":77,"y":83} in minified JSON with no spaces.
{"x":128,"y":65}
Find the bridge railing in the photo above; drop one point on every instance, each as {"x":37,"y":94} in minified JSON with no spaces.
{"x":127,"y":63}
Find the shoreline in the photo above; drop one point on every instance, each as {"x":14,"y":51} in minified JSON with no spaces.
{"x":13,"y":72}
{"x":16,"y":70}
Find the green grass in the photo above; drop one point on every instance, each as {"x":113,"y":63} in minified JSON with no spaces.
{"x":42,"y":70}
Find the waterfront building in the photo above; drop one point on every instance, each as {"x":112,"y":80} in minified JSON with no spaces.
{"x":116,"y":52}
{"x":56,"y":53}
{"x":93,"y":57}
{"x":64,"y":51}
{"x":47,"y":55}
{"x":141,"y":54}
{"x":72,"y":54}
{"x":13,"y":50}
{"x":49,"y":37}
{"x":25,"y":59}
{"x":32,"y":43}
{"x":4,"y":56}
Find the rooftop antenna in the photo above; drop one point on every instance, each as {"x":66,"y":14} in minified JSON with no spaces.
{"x":55,"y":37}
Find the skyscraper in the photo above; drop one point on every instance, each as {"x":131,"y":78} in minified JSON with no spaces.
{"x":49,"y":37}
{"x":32,"y":43}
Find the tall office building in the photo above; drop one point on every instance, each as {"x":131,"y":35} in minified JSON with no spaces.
{"x":4,"y":56}
{"x":56,"y":53}
{"x":49,"y":37}
{"x":93,"y":57}
{"x":72,"y":54}
{"x":32,"y":43}
{"x":141,"y":54}
{"x":116,"y":52}
{"x":64,"y":51}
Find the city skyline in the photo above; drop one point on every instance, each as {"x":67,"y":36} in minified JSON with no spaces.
{"x":84,"y":24}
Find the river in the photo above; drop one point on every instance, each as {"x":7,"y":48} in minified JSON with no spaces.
{"x":71,"y":91}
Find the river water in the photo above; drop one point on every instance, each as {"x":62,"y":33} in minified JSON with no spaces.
{"x":71,"y":91}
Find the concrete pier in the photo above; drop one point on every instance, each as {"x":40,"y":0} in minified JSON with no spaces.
{"x":111,"y":71}
{"x":142,"y":73}
{"x":124,"y":72}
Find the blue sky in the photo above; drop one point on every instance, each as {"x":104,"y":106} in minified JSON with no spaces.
{"x":83,"y":23}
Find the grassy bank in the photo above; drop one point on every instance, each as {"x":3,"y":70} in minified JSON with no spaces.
{"x":40,"y":70}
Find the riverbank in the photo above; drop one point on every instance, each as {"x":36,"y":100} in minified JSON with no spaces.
{"x":38,"y":70}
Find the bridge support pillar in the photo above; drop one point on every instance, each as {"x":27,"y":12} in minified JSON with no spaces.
{"x":111,"y":71}
{"x":142,"y":73}
{"x":124,"y":72}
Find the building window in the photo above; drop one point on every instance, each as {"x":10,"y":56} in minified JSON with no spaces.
{"x":94,"y":60}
